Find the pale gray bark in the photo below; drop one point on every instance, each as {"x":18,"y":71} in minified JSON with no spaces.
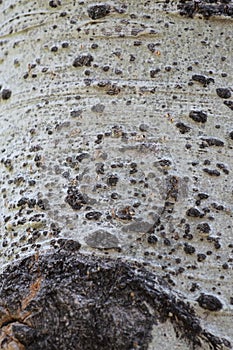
{"x":116,"y":132}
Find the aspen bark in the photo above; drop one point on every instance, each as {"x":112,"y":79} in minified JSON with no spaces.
{"x":116,"y":141}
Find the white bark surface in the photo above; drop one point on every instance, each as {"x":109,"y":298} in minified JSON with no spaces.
{"x":109,"y":131}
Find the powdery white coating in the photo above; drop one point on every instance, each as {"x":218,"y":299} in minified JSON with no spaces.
{"x":132,"y":160}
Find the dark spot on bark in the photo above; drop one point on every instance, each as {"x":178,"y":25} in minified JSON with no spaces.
{"x":99,"y":108}
{"x":54,"y":3}
{"x":8,"y":163}
{"x":63,"y":14}
{"x":22,"y":202}
{"x":194,"y":287}
{"x":114,"y":195}
{"x":55,"y":229}
{"x":172,"y":188}
{"x":202,"y":79}
{"x":207,"y":162}
{"x":99,"y":168}
{"x":217,"y":206}
{"x":6,"y":94}
{"x":87,"y":82}
{"x":4,"y":243}
{"x":211,"y":172}
{"x":223,"y":167}
{"x":225,"y":266}
{"x":7,"y":218}
{"x":198,"y":116}
{"x":194,"y":212}
{"x":168,"y":68}
{"x":35,"y":148}
{"x":75,"y":198}
{"x":106,"y":68}
{"x":83,"y":60}
{"x":112,"y":180}
{"x":217,"y":245}
{"x":203,"y":195}
{"x":187,"y":229}
{"x":94,"y":46}
{"x":211,"y":141}
{"x":118,"y":71}
{"x":231,"y":135}
{"x":65,"y":45}
{"x":154,"y":72}
{"x":93,"y":215}
{"x":76,"y":114}
{"x":132,"y":58}
{"x":26,"y":75}
{"x":37,"y":158}
{"x":223,"y":92}
{"x":87,"y":72}
{"x":204,"y":227}
{"x":125,"y":213}
{"x":143,"y":127}
{"x":49,"y":287}
{"x":229,"y":104}
{"x":152,"y":47}
{"x":152,"y":239}
{"x":164,"y":163}
{"x":43,"y":204}
{"x":201,"y":257}
{"x":189,"y":249}
{"x":209,"y":302}
{"x":167,"y":242}
{"x":54,"y":48}
{"x":82,"y":156}
{"x":113,"y":89}
{"x":67,"y":244}
{"x":183,"y":128}
{"x":98,"y":11}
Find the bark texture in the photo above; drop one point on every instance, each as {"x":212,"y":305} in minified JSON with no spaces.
{"x":116,"y":146}
{"x":67,"y":301}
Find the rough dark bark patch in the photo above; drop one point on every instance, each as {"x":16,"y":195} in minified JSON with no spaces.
{"x":229,"y":104}
{"x":194,"y":212}
{"x":183,"y":128}
{"x":6,"y":94}
{"x":198,"y":116}
{"x":83,"y":60}
{"x":202,"y":79}
{"x":98,"y":11}
{"x":209,"y":302}
{"x":65,"y":300}
{"x":54,"y":3}
{"x":211,"y":141}
{"x":206,"y":8}
{"x":223,"y":92}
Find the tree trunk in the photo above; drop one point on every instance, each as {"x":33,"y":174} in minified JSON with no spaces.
{"x":116,"y":174}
